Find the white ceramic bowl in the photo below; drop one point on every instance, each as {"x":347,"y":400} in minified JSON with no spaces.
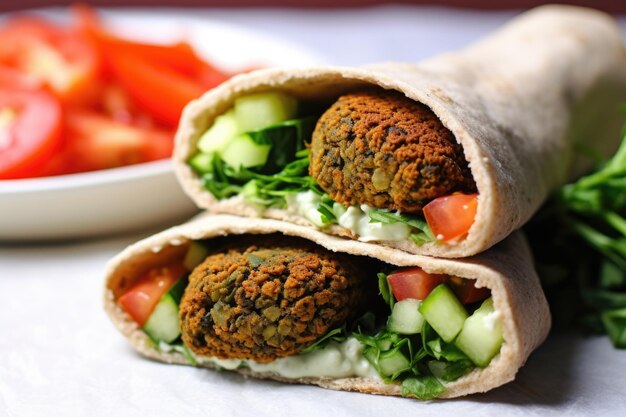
{"x":94,"y":203}
{"x":145,"y":195}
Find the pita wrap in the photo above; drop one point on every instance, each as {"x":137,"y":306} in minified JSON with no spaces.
{"x":518,"y":102}
{"x":506,"y":270}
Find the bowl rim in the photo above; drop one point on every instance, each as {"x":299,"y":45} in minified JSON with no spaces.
{"x":86,"y":179}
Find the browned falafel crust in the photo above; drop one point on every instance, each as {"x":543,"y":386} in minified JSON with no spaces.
{"x":382,"y":149}
{"x":268,"y":299}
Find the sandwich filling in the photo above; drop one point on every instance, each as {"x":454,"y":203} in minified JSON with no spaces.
{"x":372,"y":156}
{"x":288,"y":307}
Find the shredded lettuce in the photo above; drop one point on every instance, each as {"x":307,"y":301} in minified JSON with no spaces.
{"x":420,"y":231}
{"x":384,"y":289}
{"x":286,"y":140}
{"x":337,"y":335}
{"x":579,"y":244}
{"x":423,"y":387}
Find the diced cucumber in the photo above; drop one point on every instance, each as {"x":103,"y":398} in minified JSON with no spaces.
{"x":392,"y":362}
{"x":481,"y":336}
{"x":444,"y":312}
{"x":258,"y":111}
{"x":196,"y":253}
{"x":201,"y":162}
{"x":405,"y":317}
{"x":384,"y":344}
{"x":242,"y":151}
{"x":219,"y":135}
{"x":163,"y":323}
{"x":371,"y":354}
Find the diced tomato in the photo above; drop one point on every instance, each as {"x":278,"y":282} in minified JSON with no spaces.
{"x":413,"y":283}
{"x":65,"y":62}
{"x":466,"y":291}
{"x":95,"y":141}
{"x":452,"y":216}
{"x":30,"y":128}
{"x":139,"y":301}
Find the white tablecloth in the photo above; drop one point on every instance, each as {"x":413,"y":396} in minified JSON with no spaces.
{"x":60,"y":356}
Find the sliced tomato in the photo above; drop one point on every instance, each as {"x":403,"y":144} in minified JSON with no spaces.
{"x":65,"y":62}
{"x":452,"y":216}
{"x":139,"y":301}
{"x":14,"y":79}
{"x":160,"y":91}
{"x":162,"y":79}
{"x":466,"y":290}
{"x":95,"y":141}
{"x":30,"y":132}
{"x":179,"y":57}
{"x":116,"y":103}
{"x":413,"y":283}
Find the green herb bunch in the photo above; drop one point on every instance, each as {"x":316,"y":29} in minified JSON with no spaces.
{"x":579,"y":243}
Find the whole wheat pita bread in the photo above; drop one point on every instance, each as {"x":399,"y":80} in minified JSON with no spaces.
{"x":518,"y":102}
{"x":506,"y":269}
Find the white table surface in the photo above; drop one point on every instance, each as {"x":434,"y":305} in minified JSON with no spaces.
{"x":60,"y":355}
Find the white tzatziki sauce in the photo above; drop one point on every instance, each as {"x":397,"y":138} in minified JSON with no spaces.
{"x":335,"y":360}
{"x":354,"y":218}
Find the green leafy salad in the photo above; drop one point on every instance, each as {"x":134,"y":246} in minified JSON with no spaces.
{"x":579,"y":244}
{"x":258,"y":149}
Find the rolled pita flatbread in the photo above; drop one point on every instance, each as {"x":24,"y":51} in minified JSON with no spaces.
{"x":506,"y":270}
{"x":518,"y":103}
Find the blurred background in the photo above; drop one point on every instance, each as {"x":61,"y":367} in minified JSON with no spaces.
{"x":612,"y":6}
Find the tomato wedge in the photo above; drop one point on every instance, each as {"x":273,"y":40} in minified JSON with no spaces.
{"x":413,"y":283}
{"x":65,"y":62}
{"x":95,"y":141}
{"x":30,"y":127}
{"x":139,"y":301}
{"x":452,"y":216}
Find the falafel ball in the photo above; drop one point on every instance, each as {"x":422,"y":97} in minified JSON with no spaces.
{"x":268,"y":299}
{"x":385,"y":150}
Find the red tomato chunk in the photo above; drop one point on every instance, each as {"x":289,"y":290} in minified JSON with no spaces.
{"x":452,"y":216}
{"x":142,"y":298}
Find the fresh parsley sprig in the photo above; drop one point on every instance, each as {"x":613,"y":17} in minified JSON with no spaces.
{"x":579,"y":243}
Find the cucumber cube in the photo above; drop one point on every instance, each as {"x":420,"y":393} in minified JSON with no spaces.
{"x":201,"y":162}
{"x":481,"y":336}
{"x":219,"y":135}
{"x":242,"y":151}
{"x":258,"y":111}
{"x":444,"y":312}
{"x":405,"y":317}
{"x":392,"y":362}
{"x":163,"y":324}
